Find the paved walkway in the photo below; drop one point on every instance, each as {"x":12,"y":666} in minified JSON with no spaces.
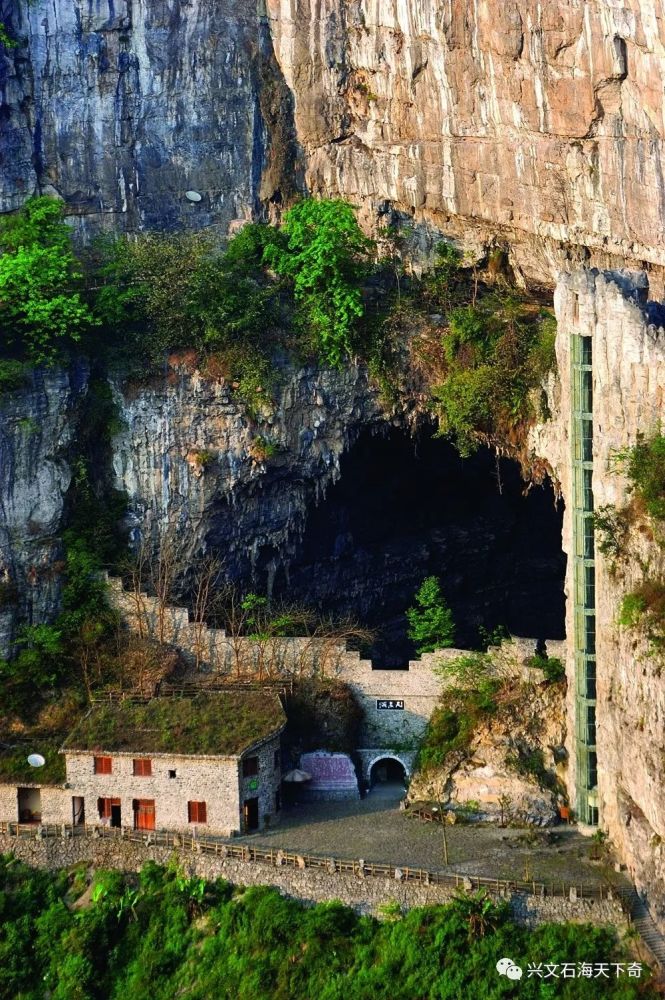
{"x":375,"y":830}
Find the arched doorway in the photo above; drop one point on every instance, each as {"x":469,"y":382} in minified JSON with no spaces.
{"x":387,"y":777}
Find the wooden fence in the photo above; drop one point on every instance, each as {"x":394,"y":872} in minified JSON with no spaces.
{"x":277,"y":857}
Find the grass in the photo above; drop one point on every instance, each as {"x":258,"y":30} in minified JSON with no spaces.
{"x":213,"y":724}
{"x":15,"y":770}
{"x":162,"y":934}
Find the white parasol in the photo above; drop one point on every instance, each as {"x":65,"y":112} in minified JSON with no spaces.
{"x":297,"y":776}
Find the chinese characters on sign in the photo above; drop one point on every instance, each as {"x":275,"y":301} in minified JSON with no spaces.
{"x":396,"y":704}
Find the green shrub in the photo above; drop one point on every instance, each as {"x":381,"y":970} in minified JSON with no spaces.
{"x":553,"y":669}
{"x":41,"y":310}
{"x":496,"y":352}
{"x":326,"y":257}
{"x":13,"y":374}
{"x":644,"y":465}
{"x":430,"y":619}
{"x":611,"y":527}
{"x":644,"y":608}
{"x":163,"y":935}
{"x":5,"y":39}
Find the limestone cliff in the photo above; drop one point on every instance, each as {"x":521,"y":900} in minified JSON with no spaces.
{"x":628,"y":343}
{"x":535,"y":125}
{"x":190,"y":456}
{"x":36,"y":429}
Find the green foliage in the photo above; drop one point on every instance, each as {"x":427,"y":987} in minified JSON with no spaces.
{"x":441,"y":285}
{"x":471,"y":701}
{"x":496,"y":351}
{"x":162,"y":935}
{"x":553,"y":669}
{"x":430,"y":619}
{"x":41,"y":310}
{"x":644,"y":609}
{"x":5,"y":39}
{"x":644,"y":465}
{"x":611,"y":527}
{"x":13,"y":374}
{"x":235,"y":299}
{"x":149,"y":294}
{"x":39,"y":661}
{"x":633,"y":607}
{"x":326,"y":257}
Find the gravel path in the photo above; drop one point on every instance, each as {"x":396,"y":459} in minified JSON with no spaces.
{"x":374,"y":829}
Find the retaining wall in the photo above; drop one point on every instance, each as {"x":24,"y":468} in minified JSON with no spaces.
{"x":364,"y":894}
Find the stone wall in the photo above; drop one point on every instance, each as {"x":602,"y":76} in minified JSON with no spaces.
{"x":363,"y":894}
{"x":628,"y":344}
{"x":56,"y":803}
{"x":218,"y":782}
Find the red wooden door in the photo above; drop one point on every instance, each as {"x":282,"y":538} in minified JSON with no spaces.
{"x":144,"y":814}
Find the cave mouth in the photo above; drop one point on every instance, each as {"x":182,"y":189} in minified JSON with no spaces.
{"x":407,"y":507}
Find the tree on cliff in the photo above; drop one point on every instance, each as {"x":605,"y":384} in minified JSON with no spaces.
{"x":327,"y":256}
{"x":41,"y":307}
{"x":431,"y":623}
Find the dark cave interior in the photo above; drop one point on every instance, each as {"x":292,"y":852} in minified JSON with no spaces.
{"x":405,"y":508}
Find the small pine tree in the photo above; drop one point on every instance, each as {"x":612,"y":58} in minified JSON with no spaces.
{"x":431,"y":623}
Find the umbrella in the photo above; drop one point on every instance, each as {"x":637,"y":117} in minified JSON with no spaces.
{"x":296,"y":776}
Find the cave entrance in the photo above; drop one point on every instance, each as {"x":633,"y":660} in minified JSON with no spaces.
{"x":387,"y":777}
{"x":405,"y":508}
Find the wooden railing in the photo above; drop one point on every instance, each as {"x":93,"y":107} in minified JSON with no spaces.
{"x":277,"y":857}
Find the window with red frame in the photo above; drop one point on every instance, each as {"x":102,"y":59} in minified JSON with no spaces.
{"x":142,"y":767}
{"x":197,"y":812}
{"x":103,"y":765}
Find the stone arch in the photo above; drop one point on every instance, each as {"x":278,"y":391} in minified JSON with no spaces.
{"x":396,"y":758}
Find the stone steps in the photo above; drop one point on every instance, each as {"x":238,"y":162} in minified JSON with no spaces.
{"x":644,"y":925}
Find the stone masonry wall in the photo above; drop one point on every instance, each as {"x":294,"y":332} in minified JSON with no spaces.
{"x":56,"y":803}
{"x":418,"y":688}
{"x":363,"y":894}
{"x":216,"y":781}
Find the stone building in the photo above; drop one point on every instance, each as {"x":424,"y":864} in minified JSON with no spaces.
{"x":211,"y":762}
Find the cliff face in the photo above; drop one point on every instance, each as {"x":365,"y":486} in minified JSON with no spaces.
{"x":628,"y":344}
{"x":535,"y":125}
{"x":189,"y":457}
{"x":121,"y":107}
{"x":36,"y":429}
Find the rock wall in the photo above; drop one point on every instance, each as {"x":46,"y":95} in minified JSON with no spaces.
{"x":121,"y":108}
{"x":187,"y":457}
{"x":37,"y":424}
{"x":366,"y":895}
{"x":628,"y":398}
{"x":522,"y":123}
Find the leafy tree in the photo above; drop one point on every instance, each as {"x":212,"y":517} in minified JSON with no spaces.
{"x":644,"y":466}
{"x":430,"y":619}
{"x":327,"y":257}
{"x":147,"y":293}
{"x":232,"y":294}
{"x":41,"y":310}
